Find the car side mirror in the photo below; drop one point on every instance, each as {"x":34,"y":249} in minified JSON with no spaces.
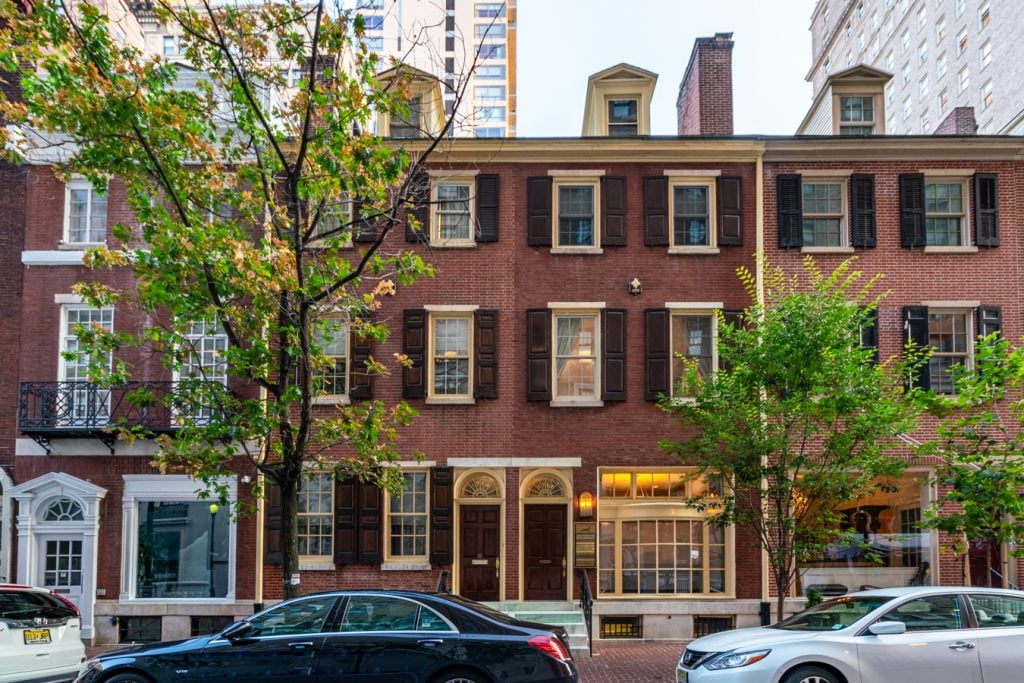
{"x":887,"y":628}
{"x":236,"y":631}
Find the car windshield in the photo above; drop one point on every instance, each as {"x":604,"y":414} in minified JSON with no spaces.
{"x":834,"y":614}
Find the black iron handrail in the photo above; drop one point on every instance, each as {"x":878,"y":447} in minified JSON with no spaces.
{"x":587,"y":605}
{"x":55,"y":409}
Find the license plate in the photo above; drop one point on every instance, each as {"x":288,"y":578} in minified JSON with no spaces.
{"x":37,"y":637}
{"x":680,"y":676}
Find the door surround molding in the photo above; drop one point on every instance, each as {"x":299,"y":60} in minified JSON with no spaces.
{"x":461,"y":498}
{"x":527,"y":478}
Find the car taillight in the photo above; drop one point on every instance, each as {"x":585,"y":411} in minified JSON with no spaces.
{"x":550,"y":645}
{"x":67,"y":602}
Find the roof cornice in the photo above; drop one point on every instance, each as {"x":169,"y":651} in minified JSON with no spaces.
{"x":896,"y":148}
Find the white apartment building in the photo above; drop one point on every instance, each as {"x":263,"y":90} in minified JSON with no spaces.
{"x":942,"y":54}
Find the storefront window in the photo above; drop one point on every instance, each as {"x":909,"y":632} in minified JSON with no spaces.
{"x":182,"y":550}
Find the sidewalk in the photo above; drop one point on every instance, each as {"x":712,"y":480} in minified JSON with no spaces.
{"x":632,"y":662}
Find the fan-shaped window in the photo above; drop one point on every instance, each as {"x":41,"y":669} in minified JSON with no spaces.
{"x":63,"y":510}
{"x":481,"y":486}
{"x":546,"y":487}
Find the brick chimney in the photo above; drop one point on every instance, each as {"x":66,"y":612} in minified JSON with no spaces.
{"x":704,"y":105}
{"x":959,"y":122}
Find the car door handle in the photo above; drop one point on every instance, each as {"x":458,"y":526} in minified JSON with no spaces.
{"x":961,"y":645}
{"x":301,"y":646}
{"x":429,"y":642}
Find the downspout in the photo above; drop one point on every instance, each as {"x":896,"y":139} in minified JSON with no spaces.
{"x":759,"y":280}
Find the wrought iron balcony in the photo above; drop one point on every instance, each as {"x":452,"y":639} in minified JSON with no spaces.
{"x":48,"y":410}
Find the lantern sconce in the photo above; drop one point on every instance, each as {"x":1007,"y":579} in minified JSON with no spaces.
{"x":635,"y":287}
{"x":586,"y":504}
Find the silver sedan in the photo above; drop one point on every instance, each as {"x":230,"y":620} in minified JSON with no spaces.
{"x":921,"y":634}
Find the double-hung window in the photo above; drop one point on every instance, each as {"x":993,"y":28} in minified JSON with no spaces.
{"x":693,"y":333}
{"x":334,"y":222}
{"x":407,"y":520}
{"x":576,"y":354}
{"x":945,"y":202}
{"x":453,"y":211}
{"x":407,"y":122}
{"x":450,"y":356}
{"x":856,"y":115}
{"x":693,"y":213}
{"x":951,"y":345}
{"x":85,"y":216}
{"x":316,"y":516}
{"x":576,"y":214}
{"x":623,"y":117}
{"x":203,"y":364}
{"x":824,"y":218}
{"x":331,"y":336}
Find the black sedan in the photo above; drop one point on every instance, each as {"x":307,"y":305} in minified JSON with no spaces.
{"x":394,"y":636}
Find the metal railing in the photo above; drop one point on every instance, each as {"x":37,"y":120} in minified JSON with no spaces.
{"x":587,"y":605}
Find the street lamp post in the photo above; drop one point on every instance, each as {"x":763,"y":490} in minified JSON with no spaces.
{"x":213,"y":518}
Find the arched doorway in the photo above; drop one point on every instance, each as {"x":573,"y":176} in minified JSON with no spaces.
{"x":546,"y":496}
{"x":479,"y":549}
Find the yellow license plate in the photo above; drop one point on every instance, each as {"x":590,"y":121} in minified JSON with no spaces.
{"x":37,"y":637}
{"x":680,"y":676}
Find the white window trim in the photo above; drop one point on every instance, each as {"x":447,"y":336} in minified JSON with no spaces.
{"x":576,"y":401}
{"x":694,"y":180}
{"x":320,"y":562}
{"x":432,"y":318}
{"x":957,"y":308}
{"x":65,"y":331}
{"x":563,"y":178}
{"x":949,"y":177}
{"x":340,"y":399}
{"x":842,"y":178}
{"x":176,"y":372}
{"x":79,"y":183}
{"x":168,"y":488}
{"x":693,"y":310}
{"x":318,"y":242}
{"x":397,"y":562}
{"x":435,"y":209}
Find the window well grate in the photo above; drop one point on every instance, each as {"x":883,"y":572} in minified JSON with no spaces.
{"x":139,"y":629}
{"x":705,"y":626}
{"x":208,"y":625}
{"x":622,"y":627}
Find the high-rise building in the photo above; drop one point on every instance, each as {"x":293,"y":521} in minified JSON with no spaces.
{"x":445,"y":38}
{"x":942,"y":55}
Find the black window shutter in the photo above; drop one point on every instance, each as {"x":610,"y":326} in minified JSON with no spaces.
{"x":657,"y":354}
{"x":789,"y":203}
{"x":485,"y":370}
{"x":487,"y":207}
{"x":613,"y":211}
{"x":441,"y":515}
{"x":869,"y":332}
{"x":990,"y":319}
{"x":613,"y":354}
{"x":986,"y":210}
{"x":656,"y":211}
{"x":730,"y":316}
{"x":272,"y":522}
{"x":365,"y":229}
{"x":862,"y":211}
{"x":370,"y":545}
{"x":360,"y":381}
{"x":414,"y":346}
{"x":345,"y":521}
{"x":915,"y":330}
{"x":421,"y":209}
{"x":730,"y":211}
{"x":912,"y":233}
{"x":538,"y":211}
{"x":538,"y":354}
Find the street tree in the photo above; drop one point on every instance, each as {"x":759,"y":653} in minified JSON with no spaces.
{"x":799,"y":416}
{"x":263,"y":210}
{"x":979,"y":443}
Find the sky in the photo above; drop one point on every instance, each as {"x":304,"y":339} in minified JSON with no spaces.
{"x":562,"y":42}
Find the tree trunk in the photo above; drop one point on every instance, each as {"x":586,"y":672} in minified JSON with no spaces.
{"x":290,"y":536}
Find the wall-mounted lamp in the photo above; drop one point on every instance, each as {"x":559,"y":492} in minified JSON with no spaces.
{"x":586,"y":504}
{"x":635,"y":287}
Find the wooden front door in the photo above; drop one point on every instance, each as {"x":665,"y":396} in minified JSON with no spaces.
{"x":479,"y":569}
{"x":545,"y":558}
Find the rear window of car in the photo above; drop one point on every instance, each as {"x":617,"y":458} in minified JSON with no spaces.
{"x":28,"y":604}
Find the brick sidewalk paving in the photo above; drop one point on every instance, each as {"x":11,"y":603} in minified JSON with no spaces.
{"x":635,"y":662}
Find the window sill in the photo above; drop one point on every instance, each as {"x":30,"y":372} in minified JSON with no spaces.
{"x":392,"y":566}
{"x":827,"y":250}
{"x":78,"y":246}
{"x":683,"y":400}
{"x":951,"y":250}
{"x":316,"y":566}
{"x":451,"y":244}
{"x":459,"y":401}
{"x":332,"y":400}
{"x":693,"y":251}
{"x":589,"y":403}
{"x":576,"y":251}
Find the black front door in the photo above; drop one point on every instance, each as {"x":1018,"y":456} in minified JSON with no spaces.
{"x":545,"y":552}
{"x":479,"y":570}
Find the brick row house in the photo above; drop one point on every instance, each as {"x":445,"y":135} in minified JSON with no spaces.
{"x":572,"y":274}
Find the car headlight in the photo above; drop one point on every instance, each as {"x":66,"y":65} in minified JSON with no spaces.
{"x":734,"y":660}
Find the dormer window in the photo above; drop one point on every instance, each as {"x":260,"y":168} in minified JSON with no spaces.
{"x":856,"y":116}
{"x":622,"y":118}
{"x":406,"y":124}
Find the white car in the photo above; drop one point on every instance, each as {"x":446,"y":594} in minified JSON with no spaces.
{"x":923,"y":634}
{"x":40,"y":636}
